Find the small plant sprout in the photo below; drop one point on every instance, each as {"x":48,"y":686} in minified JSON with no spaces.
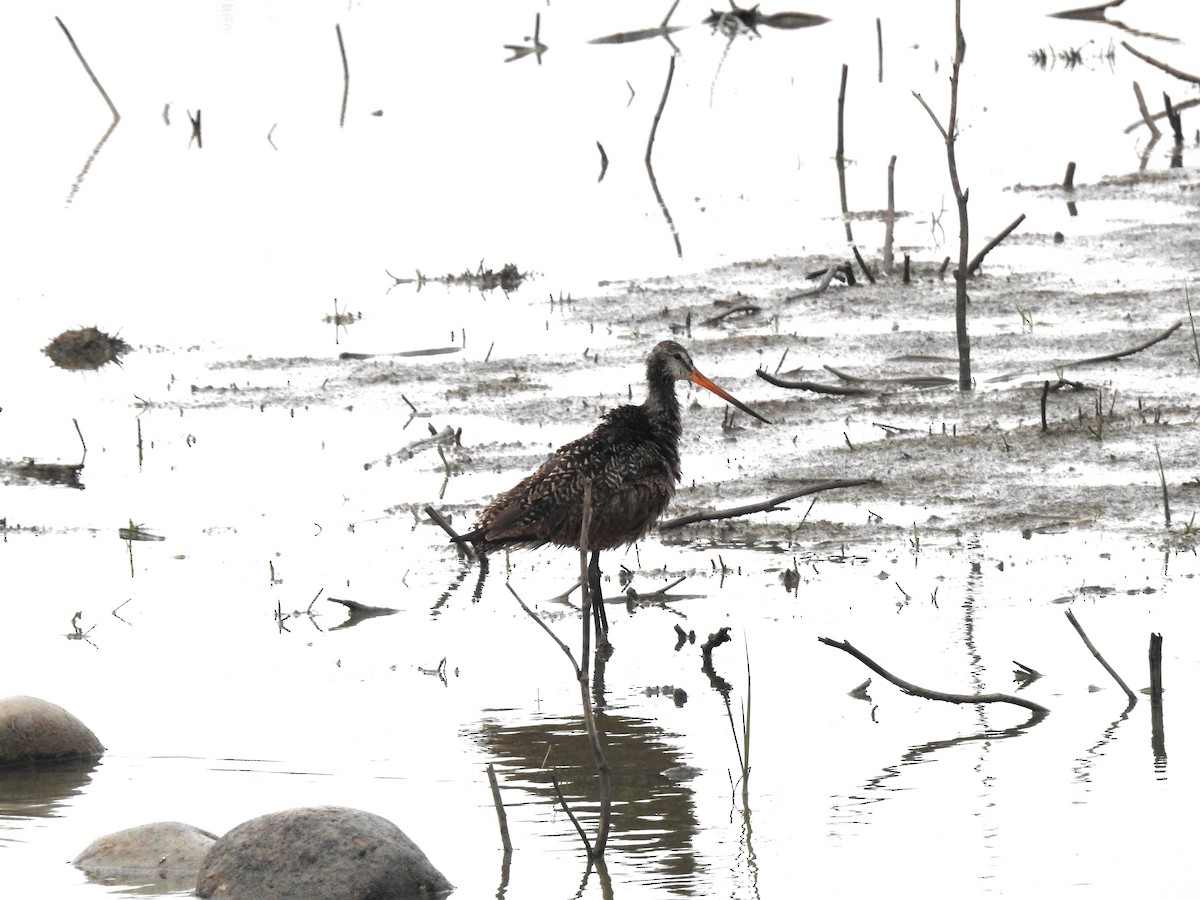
{"x":1027,"y":321}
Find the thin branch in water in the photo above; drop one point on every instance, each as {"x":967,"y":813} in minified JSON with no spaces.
{"x":1096,"y":653}
{"x":917,"y":691}
{"x":771,"y":505}
{"x":505,"y":840}
{"x":975,"y":263}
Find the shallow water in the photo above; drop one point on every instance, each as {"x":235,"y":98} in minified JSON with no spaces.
{"x":234,"y":432}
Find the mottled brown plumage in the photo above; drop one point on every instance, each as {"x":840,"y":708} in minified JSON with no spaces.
{"x":631,"y":460}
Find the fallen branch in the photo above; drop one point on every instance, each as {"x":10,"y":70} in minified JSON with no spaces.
{"x":1108,"y":357}
{"x":813,"y":386}
{"x":1096,"y":653}
{"x":904,"y":380}
{"x":444,"y":524}
{"x":917,"y":691}
{"x":733,"y":310}
{"x":820,"y":288}
{"x":1182,"y":76}
{"x":771,"y":505}
{"x":1146,"y":117}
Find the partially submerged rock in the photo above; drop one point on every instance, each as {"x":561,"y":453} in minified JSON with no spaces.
{"x":166,"y":854}
{"x":85,"y":348}
{"x":34,"y":730}
{"x":319,"y":853}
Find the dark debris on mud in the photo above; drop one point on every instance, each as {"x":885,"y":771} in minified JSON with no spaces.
{"x":85,"y":349}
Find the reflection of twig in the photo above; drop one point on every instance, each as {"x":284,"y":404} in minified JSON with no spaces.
{"x":649,"y":166}
{"x":764,"y":506}
{"x":345,"y":76}
{"x":917,"y":691}
{"x":96,"y":81}
{"x":1096,"y":653}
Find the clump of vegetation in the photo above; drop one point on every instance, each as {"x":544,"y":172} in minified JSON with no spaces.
{"x":85,"y":348}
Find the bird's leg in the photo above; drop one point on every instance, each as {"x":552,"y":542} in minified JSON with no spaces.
{"x":598,"y":614}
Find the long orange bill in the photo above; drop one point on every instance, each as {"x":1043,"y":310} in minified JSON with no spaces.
{"x":697,"y":378}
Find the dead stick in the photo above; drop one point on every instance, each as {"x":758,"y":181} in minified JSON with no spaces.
{"x":748,"y":308}
{"x":505,"y":841}
{"x":862,"y":263}
{"x":1096,"y":653}
{"x":812,"y":292}
{"x":1107,"y":357}
{"x":975,"y":263}
{"x":563,"y":802}
{"x":1146,"y":117}
{"x":909,"y":688}
{"x":454,"y":535}
{"x":840,"y":158}
{"x":889,"y":219}
{"x":1158,"y":741}
{"x":766,"y":505}
{"x":813,"y":386}
{"x":345,"y":76}
{"x":1182,"y":76}
{"x":92,"y":75}
{"x":879,"y":43}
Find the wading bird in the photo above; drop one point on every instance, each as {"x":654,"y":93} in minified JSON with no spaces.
{"x":631,"y":460}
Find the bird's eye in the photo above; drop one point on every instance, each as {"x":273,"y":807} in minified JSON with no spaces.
{"x":678,"y":356}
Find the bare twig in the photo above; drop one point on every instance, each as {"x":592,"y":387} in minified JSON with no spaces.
{"x":1096,"y":653}
{"x":345,"y":76}
{"x":1129,"y":351}
{"x":975,"y":263}
{"x":949,"y":135}
{"x":444,"y":524}
{"x":766,"y":505}
{"x":92,"y":75}
{"x":813,"y":386}
{"x":916,"y":691}
{"x":505,"y":840}
{"x":662,"y":103}
{"x":1170,"y":70}
{"x":1146,"y":117}
{"x":811,"y":292}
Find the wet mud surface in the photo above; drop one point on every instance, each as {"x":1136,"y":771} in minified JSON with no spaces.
{"x":946,"y":461}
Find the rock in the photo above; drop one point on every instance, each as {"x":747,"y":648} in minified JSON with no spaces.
{"x":32,"y":731}
{"x":166,"y":854}
{"x":318,"y":853}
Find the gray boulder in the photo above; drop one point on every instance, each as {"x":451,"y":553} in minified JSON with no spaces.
{"x":33,"y":731}
{"x":319,"y":853}
{"x":165,"y":854}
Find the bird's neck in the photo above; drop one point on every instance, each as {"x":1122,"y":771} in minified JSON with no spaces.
{"x":662,"y":408}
